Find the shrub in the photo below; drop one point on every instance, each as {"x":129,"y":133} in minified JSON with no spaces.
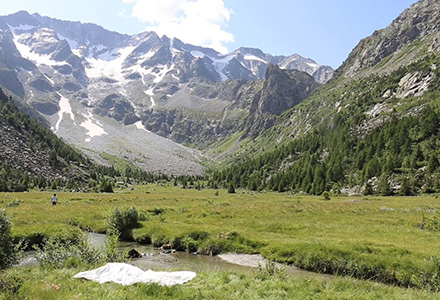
{"x":8,"y":252}
{"x":124,"y":221}
{"x":111,"y":252}
{"x":106,"y":186}
{"x":10,"y":282}
{"x":64,"y":252}
{"x":270,"y":270}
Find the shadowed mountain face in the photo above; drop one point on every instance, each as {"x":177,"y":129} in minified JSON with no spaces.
{"x":135,"y":96}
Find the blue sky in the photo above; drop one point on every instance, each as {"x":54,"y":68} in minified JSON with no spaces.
{"x":323,"y":30}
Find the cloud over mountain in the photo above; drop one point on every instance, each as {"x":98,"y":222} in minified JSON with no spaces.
{"x":199,"y":22}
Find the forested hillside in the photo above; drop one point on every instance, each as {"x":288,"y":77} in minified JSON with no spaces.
{"x":32,"y":156}
{"x":370,"y":140}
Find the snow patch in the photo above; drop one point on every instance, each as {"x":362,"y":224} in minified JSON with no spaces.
{"x":220,"y":65}
{"x":22,"y":27}
{"x":140,"y":126}
{"x":313,"y":65}
{"x":65,"y":108}
{"x":98,"y":48}
{"x":253,"y":57}
{"x":77,"y":52}
{"x":147,"y":55}
{"x":150,"y":93}
{"x":49,"y":79}
{"x":73,"y":44}
{"x":93,"y":126}
{"x":175,"y":51}
{"x":198,"y":54}
{"x":109,"y":64}
{"x":39,"y":59}
{"x":163,"y":71}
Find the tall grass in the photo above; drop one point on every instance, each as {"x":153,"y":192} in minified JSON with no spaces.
{"x":48,"y":284}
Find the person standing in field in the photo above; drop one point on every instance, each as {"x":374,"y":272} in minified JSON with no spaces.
{"x":54,"y":199}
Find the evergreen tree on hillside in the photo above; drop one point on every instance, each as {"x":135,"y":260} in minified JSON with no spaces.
{"x":231,"y":188}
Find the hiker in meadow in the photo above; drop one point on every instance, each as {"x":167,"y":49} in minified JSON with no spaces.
{"x":54,"y":199}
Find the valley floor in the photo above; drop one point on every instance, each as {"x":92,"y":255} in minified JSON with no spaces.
{"x":391,"y":243}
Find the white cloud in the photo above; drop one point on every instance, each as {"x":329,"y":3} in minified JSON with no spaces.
{"x":199,"y":22}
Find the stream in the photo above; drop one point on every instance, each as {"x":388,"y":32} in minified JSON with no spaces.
{"x":156,"y":260}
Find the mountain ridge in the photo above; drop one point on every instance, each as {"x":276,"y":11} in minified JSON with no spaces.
{"x":81,"y":76}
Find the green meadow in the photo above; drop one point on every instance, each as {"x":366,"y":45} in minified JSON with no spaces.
{"x":377,"y":247}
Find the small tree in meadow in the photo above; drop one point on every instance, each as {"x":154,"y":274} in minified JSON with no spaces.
{"x":106,"y":186}
{"x":124,"y":221}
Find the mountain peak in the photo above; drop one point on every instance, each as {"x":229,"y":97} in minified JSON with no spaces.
{"x":20,"y":18}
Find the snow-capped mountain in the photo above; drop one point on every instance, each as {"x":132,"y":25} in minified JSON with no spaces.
{"x":84,"y":79}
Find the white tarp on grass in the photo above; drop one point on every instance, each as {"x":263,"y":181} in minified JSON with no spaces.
{"x":126,"y":274}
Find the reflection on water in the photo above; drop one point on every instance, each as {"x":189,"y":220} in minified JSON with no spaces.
{"x":96,"y":239}
{"x":157,"y":261}
{"x":182,"y":261}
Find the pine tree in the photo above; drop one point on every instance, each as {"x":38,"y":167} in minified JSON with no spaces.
{"x":384,"y":186}
{"x":405,"y":188}
{"x":433,"y":164}
{"x":231,"y":188}
{"x":368,"y":190}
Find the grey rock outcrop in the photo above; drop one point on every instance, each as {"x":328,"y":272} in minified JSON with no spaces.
{"x":419,"y":22}
{"x":283,"y":89}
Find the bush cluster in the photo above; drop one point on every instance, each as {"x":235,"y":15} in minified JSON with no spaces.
{"x":124,"y":221}
{"x":63,"y":252}
{"x":8,"y":251}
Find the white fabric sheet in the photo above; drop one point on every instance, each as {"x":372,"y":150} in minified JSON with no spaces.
{"x":126,"y":274}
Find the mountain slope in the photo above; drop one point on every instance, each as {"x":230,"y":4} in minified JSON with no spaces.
{"x":372,"y":128}
{"x":31,"y":155}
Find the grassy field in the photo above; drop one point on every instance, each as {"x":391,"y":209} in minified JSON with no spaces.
{"x":388,"y":240}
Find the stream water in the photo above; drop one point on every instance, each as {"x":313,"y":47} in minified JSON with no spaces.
{"x":156,"y":260}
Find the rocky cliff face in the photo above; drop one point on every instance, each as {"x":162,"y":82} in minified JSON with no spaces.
{"x":230,"y":106}
{"x":281,"y":91}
